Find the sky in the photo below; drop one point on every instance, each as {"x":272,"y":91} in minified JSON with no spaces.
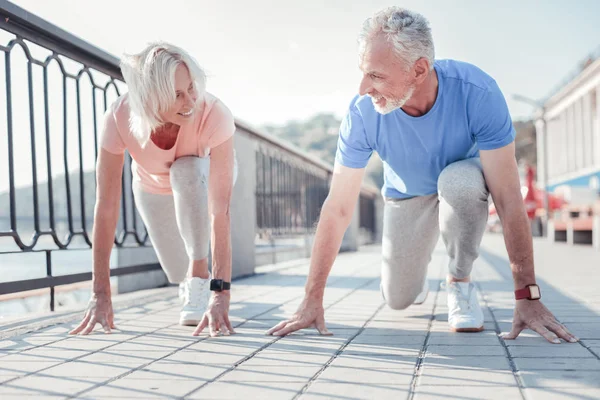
{"x":281,"y":60}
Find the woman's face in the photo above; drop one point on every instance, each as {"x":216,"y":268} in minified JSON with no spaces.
{"x":184,"y":107}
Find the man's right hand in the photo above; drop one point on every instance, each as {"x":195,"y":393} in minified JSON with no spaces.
{"x":99,"y":311}
{"x":310,"y":314}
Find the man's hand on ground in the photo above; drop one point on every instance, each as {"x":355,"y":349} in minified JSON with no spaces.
{"x":534,"y":315}
{"x":310,"y":314}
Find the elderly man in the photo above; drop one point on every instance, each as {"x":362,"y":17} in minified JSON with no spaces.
{"x":444,"y":133}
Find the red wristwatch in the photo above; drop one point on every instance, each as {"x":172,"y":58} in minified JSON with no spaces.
{"x":529,"y":292}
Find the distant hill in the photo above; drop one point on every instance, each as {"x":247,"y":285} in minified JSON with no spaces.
{"x":24,"y":198}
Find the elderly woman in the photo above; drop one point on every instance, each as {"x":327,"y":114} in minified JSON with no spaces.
{"x":174,"y":131}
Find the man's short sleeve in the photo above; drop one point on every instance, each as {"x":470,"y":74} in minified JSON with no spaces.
{"x":492,"y":125}
{"x":353,"y":149}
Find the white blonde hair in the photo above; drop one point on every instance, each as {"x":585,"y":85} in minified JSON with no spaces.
{"x":150,"y":78}
{"x":406,"y":30}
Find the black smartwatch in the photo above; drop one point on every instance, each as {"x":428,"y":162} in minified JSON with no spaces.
{"x":218,"y":285}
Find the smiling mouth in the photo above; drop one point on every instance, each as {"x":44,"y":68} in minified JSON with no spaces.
{"x":186,"y":114}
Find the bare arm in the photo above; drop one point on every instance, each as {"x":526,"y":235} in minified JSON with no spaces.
{"x":109,"y":173}
{"x":501,"y":175}
{"x":106,"y":214}
{"x":220,"y":186}
{"x":336,"y":216}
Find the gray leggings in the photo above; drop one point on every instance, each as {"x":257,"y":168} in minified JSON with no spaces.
{"x":411,"y":229}
{"x":178,"y":224}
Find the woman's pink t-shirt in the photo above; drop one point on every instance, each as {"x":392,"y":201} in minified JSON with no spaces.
{"x":211,"y":125}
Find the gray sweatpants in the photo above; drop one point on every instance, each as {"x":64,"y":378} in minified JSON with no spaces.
{"x":178,"y":224}
{"x":411,"y":229}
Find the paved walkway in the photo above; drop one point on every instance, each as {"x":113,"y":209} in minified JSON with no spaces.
{"x":376,"y":353}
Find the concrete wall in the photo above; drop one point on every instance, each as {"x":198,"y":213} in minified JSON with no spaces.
{"x":126,"y":257}
{"x":243,"y":207}
{"x":243,"y":228}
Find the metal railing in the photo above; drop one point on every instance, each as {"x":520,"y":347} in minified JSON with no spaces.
{"x":65,"y":79}
{"x":291,"y":187}
{"x":56,"y":98}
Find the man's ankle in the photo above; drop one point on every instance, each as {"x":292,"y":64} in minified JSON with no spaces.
{"x":450,"y":279}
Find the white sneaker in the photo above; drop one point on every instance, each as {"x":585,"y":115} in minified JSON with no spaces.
{"x":182,"y":286}
{"x":196,"y":294}
{"x":464,"y":313}
{"x":423,"y":295}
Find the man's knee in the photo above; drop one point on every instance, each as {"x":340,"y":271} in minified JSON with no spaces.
{"x":399,"y":298}
{"x":462,"y":183}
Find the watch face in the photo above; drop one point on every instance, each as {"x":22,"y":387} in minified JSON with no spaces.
{"x":534,"y":292}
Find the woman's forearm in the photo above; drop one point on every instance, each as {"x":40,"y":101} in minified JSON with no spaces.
{"x":105,"y":224}
{"x":221,"y":246}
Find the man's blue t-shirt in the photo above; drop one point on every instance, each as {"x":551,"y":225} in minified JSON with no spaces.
{"x":469,"y":114}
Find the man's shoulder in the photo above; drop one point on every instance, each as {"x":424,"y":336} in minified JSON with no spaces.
{"x":361,"y":105}
{"x":464,"y":73}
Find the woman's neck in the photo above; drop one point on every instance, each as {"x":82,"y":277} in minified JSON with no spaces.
{"x":165,"y":136}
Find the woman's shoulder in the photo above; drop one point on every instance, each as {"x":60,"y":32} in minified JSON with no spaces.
{"x":215,"y":106}
{"x":120,"y":107}
{"x":215,"y":112}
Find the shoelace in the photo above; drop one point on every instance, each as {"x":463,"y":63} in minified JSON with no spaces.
{"x":462,"y":302}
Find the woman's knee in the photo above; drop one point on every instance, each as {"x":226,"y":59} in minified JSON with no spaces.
{"x":189,"y":169}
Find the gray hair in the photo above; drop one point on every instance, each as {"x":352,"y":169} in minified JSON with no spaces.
{"x":150,"y":78}
{"x":406,"y":30}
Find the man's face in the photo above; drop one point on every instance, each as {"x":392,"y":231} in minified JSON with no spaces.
{"x":386,"y":78}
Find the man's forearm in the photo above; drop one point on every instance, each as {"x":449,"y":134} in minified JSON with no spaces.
{"x":328,"y":239}
{"x":221,"y":247}
{"x":519,"y":245}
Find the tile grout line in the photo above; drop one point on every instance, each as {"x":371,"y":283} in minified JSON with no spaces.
{"x":87,"y":354}
{"x":336,"y":354}
{"x":141,"y":367}
{"x":588,"y":348}
{"x":154,"y":298}
{"x":511,"y":362}
{"x":270,"y":343}
{"x":67,"y":337}
{"x":108,"y":381}
{"x":423,"y":351}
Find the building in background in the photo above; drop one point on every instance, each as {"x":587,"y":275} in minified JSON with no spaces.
{"x":573,"y":133}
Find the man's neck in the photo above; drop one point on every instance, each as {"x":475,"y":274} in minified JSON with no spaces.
{"x":423,"y":97}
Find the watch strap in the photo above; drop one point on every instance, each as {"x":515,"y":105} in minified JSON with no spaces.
{"x":218,"y":285}
{"x":528,"y":293}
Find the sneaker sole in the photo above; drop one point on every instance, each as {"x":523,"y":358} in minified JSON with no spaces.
{"x":466,"y":329}
{"x":188,"y":322}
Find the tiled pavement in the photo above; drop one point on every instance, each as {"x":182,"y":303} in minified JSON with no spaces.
{"x":375,"y":353}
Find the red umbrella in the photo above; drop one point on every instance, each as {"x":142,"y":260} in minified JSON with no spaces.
{"x":534,"y":198}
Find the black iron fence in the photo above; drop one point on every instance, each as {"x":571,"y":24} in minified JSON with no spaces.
{"x":291,"y":187}
{"x":56,"y":89}
{"x":289,"y":195}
